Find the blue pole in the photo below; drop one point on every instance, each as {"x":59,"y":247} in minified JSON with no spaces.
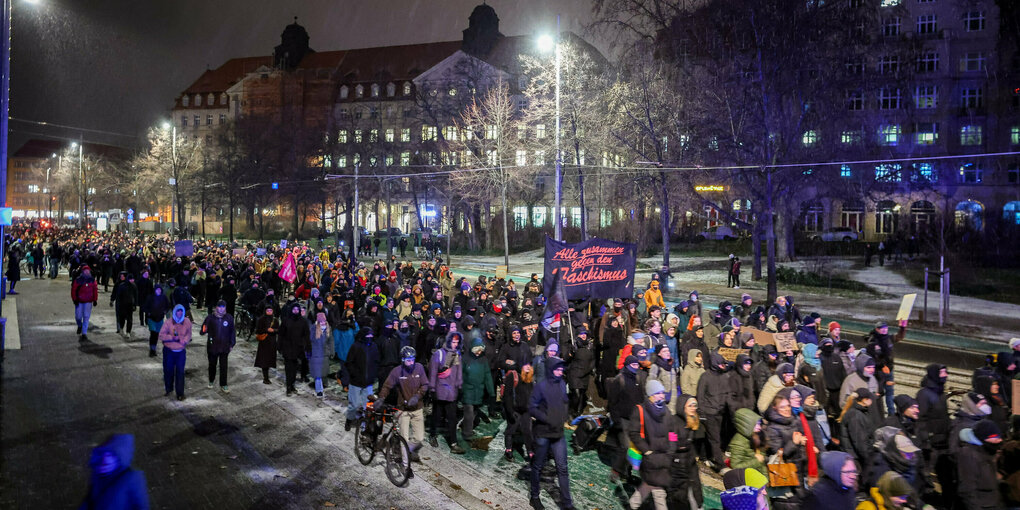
{"x":5,"y":95}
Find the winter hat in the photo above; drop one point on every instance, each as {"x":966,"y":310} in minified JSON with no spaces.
{"x":465,"y":286}
{"x":740,"y":498}
{"x":85,"y":267}
{"x":582,"y":331}
{"x":744,"y":297}
{"x":638,"y":336}
{"x":826,"y":341}
{"x":654,"y":386}
{"x":832,"y":464}
{"x":221,"y":303}
{"x":985,"y":430}
{"x":893,"y":485}
{"x":864,"y":393}
{"x":640,"y":352}
{"x":747,"y":476}
{"x":805,"y":391}
{"x":629,"y":360}
{"x":833,"y":325}
{"x":553,"y":348}
{"x":969,"y":404}
{"x":1014,"y":342}
{"x":844,"y":345}
{"x":784,"y":368}
{"x":905,"y":445}
{"x":904,"y":402}
{"x":469,"y":321}
{"x":881,"y":324}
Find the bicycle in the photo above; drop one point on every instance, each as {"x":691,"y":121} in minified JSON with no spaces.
{"x":377,"y":432}
{"x":244,"y":322}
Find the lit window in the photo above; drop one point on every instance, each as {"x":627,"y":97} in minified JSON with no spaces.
{"x":33,"y":188}
{"x":889,"y":135}
{"x":889,"y":98}
{"x":890,"y":3}
{"x":971,"y":98}
{"x":341,"y":161}
{"x":359,"y":91}
{"x":926,"y":97}
{"x":974,"y":21}
{"x":342,"y":136}
{"x":973,"y":61}
{"x":452,"y":92}
{"x":450,"y":133}
{"x":926,"y":133}
{"x":971,"y":174}
{"x":492,"y":157}
{"x":539,"y":157}
{"x":522,"y":132}
{"x":855,"y":100}
{"x":924,"y":172}
{"x":971,"y":135}
{"x":540,"y":131}
{"x":407,"y":88}
{"x":375,"y":90}
{"x":850,"y":136}
{"x":405,"y":134}
{"x":405,"y":158}
{"x":428,"y":133}
{"x":373,"y":135}
{"x":389,"y":134}
{"x":198,"y":120}
{"x":208,"y":120}
{"x":522,"y":157}
{"x":389,"y":160}
{"x":845,"y":171}
{"x":1014,"y":135}
{"x":927,"y":24}
{"x":491,"y":132}
{"x":928,"y":62}
{"x":810,"y":138}
{"x":887,"y":172}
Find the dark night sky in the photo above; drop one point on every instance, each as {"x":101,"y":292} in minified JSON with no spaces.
{"x":116,"y":65}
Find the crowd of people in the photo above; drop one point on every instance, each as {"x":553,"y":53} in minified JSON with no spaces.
{"x":818,"y":427}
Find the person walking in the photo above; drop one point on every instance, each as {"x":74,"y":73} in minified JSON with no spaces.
{"x":654,"y":433}
{"x":125,"y":296}
{"x":156,"y":307}
{"x":735,"y":271}
{"x":265,"y":333}
{"x":114,"y":484}
{"x":13,"y":269}
{"x":363,"y":370}
{"x":477,"y":385}
{"x":316,"y":351}
{"x":175,"y":334}
{"x":548,"y":408}
{"x":222,"y":336}
{"x":445,"y":379}
{"x":294,"y":332}
{"x":85,"y":295}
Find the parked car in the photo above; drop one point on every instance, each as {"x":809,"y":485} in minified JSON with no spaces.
{"x":718,"y":233}
{"x":845,"y":234}
{"x":393,"y":232}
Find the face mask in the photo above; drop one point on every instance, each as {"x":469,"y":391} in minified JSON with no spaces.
{"x":632,"y":369}
{"x":991,"y":448}
{"x":659,"y":404}
{"x":827,"y":348}
{"x":942,"y":380}
{"x":985,"y":409}
{"x":797,"y":410}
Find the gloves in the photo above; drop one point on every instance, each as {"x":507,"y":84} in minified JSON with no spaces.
{"x":413,"y":401}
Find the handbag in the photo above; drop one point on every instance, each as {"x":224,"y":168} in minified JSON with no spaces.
{"x":261,"y":336}
{"x":782,"y":474}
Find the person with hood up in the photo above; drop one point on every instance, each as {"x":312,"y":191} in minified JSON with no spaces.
{"x":579,"y":372}
{"x":693,"y":340}
{"x":837,"y":488}
{"x":905,"y":419}
{"x":808,"y":333}
{"x":833,"y":374}
{"x":895,"y":452}
{"x":344,"y":329}
{"x":890,"y":492}
{"x":125,"y":295}
{"x":713,"y":396}
{"x":973,"y":408}
{"x":748,"y":444}
{"x":477,"y":386}
{"x":765,"y":368}
{"x":692,"y":374}
{"x":411,"y":384}
{"x":991,"y":388}
{"x":863,"y":377}
{"x":363,"y":370}
{"x":976,"y":469}
{"x":114,"y":484}
{"x":933,"y":423}
{"x":548,"y":408}
{"x":857,"y":431}
{"x":293,"y":334}
{"x":220,"y":328}
{"x":156,"y":307}
{"x":85,"y":295}
{"x":445,"y":380}
{"x":624,"y":392}
{"x":655,"y":435}
{"x":653,"y":296}
{"x":265,"y":333}
{"x":783,"y":378}
{"x":685,"y":479}
{"x":175,"y":334}
{"x":316,"y":350}
{"x":742,"y":384}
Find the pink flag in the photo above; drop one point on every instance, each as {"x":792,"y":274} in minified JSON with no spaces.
{"x":289,"y":270}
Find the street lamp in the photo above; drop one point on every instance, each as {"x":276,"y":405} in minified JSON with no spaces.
{"x":83,"y":202}
{"x":173,"y":169}
{"x":548,"y":43}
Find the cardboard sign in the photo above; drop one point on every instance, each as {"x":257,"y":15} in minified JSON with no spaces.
{"x":731,"y":354}
{"x":1016,"y":396}
{"x":501,"y":272}
{"x":905,"y":306}
{"x":184,"y":248}
{"x":760,"y":337}
{"x":785,"y":341}
{"x":239,"y":252}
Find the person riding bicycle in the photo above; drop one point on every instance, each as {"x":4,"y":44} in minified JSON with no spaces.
{"x":411,"y":383}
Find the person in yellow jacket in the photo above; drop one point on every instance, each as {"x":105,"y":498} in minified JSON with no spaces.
{"x":653,"y":296}
{"x":893,"y":492}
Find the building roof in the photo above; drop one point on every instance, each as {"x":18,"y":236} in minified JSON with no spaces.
{"x":36,"y":148}
{"x":224,"y":76}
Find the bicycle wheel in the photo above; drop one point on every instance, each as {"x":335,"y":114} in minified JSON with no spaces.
{"x":364,"y":444}
{"x":398,"y":460}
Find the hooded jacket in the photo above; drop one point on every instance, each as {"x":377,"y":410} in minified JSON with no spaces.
{"x":741,"y":385}
{"x":477,"y":376}
{"x":691,"y":375}
{"x":123,"y":488}
{"x":857,"y":380}
{"x":933,"y":425}
{"x":176,"y":335}
{"x":857,"y":433}
{"x":363,"y":360}
{"x":714,"y":388}
{"x":829,"y":493}
{"x":292,"y":335}
{"x":625,"y":391}
{"x":741,"y":449}
{"x":975,"y":466}
{"x":772,"y":386}
{"x":659,"y":441}
{"x":220,"y":330}
{"x":663,"y":371}
{"x":446,"y":369}
{"x":548,"y":405}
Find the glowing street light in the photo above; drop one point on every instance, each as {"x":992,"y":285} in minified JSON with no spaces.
{"x":548,"y":43}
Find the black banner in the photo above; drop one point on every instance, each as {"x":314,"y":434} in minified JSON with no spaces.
{"x":597,"y":268}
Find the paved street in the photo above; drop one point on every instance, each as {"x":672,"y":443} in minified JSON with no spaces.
{"x":253,"y":448}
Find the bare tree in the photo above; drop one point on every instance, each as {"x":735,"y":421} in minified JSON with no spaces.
{"x":172,"y":160}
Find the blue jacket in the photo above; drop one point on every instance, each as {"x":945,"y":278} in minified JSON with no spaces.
{"x":121,"y":489}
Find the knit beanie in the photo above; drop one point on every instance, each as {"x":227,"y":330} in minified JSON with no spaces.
{"x":985,"y":430}
{"x":904,"y":402}
{"x":834,"y":325}
{"x":654,"y":386}
{"x":893,"y":485}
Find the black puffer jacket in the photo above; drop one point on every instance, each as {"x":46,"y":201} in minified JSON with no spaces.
{"x":714,"y":388}
{"x":857,"y":434}
{"x":933,"y":421}
{"x":548,"y":404}
{"x":625,"y":391}
{"x":653,"y":441}
{"x":742,"y":386}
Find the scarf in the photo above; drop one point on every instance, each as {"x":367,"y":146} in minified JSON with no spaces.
{"x":812,"y":469}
